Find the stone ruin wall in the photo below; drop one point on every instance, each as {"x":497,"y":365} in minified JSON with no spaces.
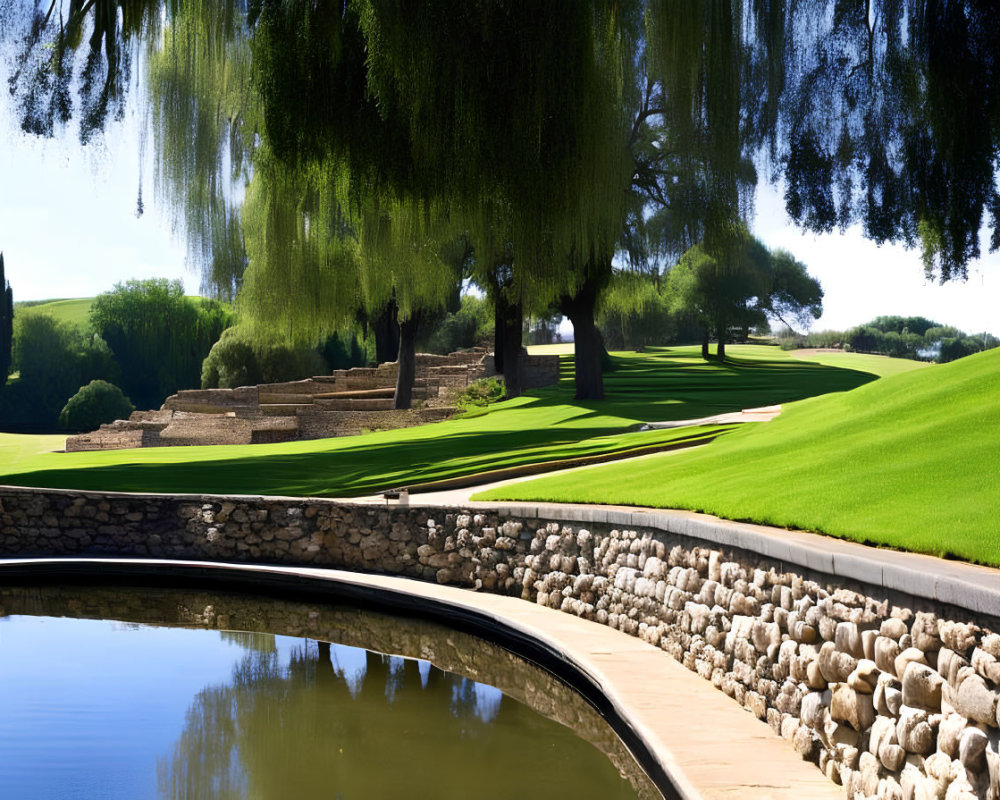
{"x":240,"y":415}
{"x":892,"y":696}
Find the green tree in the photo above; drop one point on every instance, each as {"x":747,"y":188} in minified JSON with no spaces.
{"x":159,"y":337}
{"x":742,"y":290}
{"x":53,"y":360}
{"x":96,"y":403}
{"x":6,"y":325}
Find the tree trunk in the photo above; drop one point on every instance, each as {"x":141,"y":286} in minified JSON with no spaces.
{"x":407,"y":363}
{"x":498,"y":331}
{"x":588,"y":346}
{"x":704,"y":346}
{"x":509,"y":333}
{"x":386,"y":330}
{"x":720,"y":351}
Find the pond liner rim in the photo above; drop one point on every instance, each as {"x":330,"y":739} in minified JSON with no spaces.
{"x":327,"y":585}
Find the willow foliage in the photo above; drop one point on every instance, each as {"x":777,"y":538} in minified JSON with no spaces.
{"x":203,"y":116}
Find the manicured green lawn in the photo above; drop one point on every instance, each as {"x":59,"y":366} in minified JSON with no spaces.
{"x":661,"y":385}
{"x":910,"y":461}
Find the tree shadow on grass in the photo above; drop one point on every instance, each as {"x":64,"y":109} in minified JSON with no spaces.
{"x":547,"y":425}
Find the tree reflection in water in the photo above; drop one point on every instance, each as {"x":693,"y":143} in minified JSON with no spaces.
{"x":340,"y":722}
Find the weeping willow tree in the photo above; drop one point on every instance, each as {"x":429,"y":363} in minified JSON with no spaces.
{"x":892,"y":119}
{"x":376,"y":130}
{"x":202,"y":114}
{"x":515,"y":137}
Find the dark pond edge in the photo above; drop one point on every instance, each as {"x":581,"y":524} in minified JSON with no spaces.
{"x":286,"y":583}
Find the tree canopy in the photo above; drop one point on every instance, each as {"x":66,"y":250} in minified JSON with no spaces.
{"x":370,"y":135}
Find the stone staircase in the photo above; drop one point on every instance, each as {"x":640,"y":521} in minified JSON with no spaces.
{"x":343,"y":403}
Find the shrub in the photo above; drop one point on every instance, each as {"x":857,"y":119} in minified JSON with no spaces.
{"x":93,"y":405}
{"x":241,"y":359}
{"x":53,"y":360}
{"x":159,"y":337}
{"x":481,"y":393}
{"x":470,"y":326}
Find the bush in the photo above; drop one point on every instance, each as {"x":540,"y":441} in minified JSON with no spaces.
{"x":53,"y":360}
{"x":96,"y":403}
{"x":470,"y":326}
{"x":480,"y":393}
{"x":159,"y":337}
{"x":241,"y":359}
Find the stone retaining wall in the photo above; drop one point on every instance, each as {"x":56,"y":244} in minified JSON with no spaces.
{"x":892,"y":696}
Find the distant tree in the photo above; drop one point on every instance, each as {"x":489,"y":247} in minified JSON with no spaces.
{"x":6,"y":325}
{"x":795,"y":295}
{"x":53,"y":359}
{"x":739,"y":290}
{"x":95,"y":404}
{"x":159,"y":337}
{"x":722,"y":295}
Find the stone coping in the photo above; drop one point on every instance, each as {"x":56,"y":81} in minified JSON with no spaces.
{"x":970,"y":586}
{"x":703,"y":746}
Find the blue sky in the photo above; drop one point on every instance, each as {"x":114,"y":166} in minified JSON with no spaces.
{"x":68,"y":229}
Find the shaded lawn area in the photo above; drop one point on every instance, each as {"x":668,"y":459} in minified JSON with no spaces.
{"x":664,"y":384}
{"x":911,"y":461}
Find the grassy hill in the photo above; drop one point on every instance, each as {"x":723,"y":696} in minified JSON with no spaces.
{"x":910,"y":461}
{"x":73,"y":310}
{"x":665,"y":384}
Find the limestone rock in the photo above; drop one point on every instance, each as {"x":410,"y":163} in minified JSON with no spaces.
{"x":847,"y":639}
{"x":913,"y":732}
{"x":814,"y":678}
{"x":812,"y":707}
{"x":974,"y":700}
{"x":949,"y":663}
{"x":922,"y":687}
{"x":991,"y":644}
{"x":949,"y":733}
{"x":925,"y":633}
{"x":864,"y":678}
{"x":958,"y":636}
{"x":835,"y":665}
{"x":986,"y":665}
{"x":851,"y":707}
{"x":972,"y":749}
{"x":868,"y":643}
{"x":886,"y":650}
{"x":888,"y":696}
{"x":892,"y":628}
{"x":910,"y":654}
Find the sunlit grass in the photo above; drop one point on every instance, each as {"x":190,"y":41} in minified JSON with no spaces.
{"x":665,"y":384}
{"x":911,"y":461}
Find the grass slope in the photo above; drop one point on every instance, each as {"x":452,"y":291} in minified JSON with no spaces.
{"x":74,"y":311}
{"x":665,"y":384}
{"x":911,"y":461}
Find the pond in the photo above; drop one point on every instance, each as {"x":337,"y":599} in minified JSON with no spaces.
{"x":132,"y":693}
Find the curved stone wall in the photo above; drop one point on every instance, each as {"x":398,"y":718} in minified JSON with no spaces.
{"x":892,"y":695}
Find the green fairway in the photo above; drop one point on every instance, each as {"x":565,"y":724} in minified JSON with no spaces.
{"x":911,"y":461}
{"x":665,"y":384}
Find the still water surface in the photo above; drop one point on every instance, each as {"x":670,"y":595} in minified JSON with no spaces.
{"x":100,"y":710}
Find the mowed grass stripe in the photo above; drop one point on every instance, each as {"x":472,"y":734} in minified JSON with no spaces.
{"x":665,"y":384}
{"x":911,"y":461}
